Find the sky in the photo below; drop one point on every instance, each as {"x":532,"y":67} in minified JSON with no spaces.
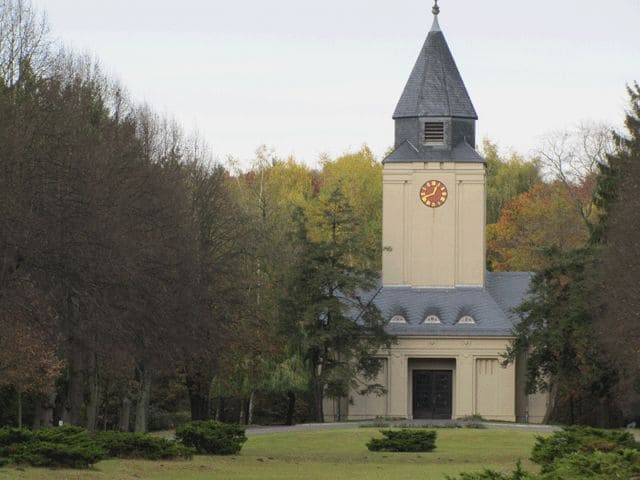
{"x":323,"y":77}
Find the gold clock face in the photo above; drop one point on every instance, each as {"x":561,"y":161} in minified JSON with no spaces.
{"x":433,"y":193}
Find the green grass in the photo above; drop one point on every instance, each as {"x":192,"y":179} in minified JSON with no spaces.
{"x":319,"y":455}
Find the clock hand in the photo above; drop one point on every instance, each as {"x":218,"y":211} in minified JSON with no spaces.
{"x":432,"y":193}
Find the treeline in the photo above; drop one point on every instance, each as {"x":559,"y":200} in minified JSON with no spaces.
{"x":581,"y":327}
{"x":139,"y":279}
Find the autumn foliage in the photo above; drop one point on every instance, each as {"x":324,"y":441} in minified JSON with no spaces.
{"x":536,"y":220}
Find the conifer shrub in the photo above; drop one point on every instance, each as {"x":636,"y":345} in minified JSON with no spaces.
{"x":212,"y":437}
{"x":55,"y":447}
{"x":140,"y":445}
{"x":405,"y":440}
{"x":517,"y":474}
{"x":596,"y":465}
{"x":578,"y":439}
{"x":74,"y":447}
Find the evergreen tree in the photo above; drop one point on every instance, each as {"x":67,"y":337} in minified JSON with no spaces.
{"x":328,"y":316}
{"x":580,"y":326}
{"x":556,"y":334}
{"x":615,"y":304}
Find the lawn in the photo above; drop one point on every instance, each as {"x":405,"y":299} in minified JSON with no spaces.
{"x":319,"y":455}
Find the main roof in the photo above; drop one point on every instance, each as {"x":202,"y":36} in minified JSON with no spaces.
{"x":435,"y":87}
{"x":491,"y":307}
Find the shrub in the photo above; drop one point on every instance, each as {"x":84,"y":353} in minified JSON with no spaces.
{"x":596,"y":466}
{"x":139,"y":445}
{"x":211,"y":437}
{"x":76,"y":448}
{"x":55,"y":447}
{"x":517,"y":474}
{"x":47,"y":454}
{"x":405,"y":440}
{"x":579,"y":440}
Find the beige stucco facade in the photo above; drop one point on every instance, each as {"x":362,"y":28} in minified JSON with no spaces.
{"x":480,"y":384}
{"x":433,"y":247}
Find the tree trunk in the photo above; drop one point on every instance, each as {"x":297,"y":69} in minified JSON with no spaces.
{"x":142,"y":407}
{"x":291,"y":407}
{"x":43,"y":416}
{"x":19,"y":409}
{"x":125,"y":414}
{"x":217,"y":414}
{"x":241,"y":416}
{"x":551,"y":408}
{"x":94,"y":396}
{"x":250,"y":410}
{"x":198,"y":399}
{"x":318,"y":391}
{"x":75,"y":387}
{"x":222,"y":403}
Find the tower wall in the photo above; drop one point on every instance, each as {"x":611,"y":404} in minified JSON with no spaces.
{"x":434,"y":247}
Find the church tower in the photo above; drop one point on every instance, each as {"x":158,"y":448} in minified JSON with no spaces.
{"x":434,"y":180}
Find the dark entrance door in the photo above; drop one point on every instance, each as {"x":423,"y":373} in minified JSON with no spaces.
{"x":432,"y":394}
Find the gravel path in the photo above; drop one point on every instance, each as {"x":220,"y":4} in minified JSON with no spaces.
{"x":309,"y":427}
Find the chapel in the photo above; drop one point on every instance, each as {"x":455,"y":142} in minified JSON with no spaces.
{"x":453,"y":320}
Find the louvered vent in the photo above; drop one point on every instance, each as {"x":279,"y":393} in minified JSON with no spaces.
{"x":434,"y":133}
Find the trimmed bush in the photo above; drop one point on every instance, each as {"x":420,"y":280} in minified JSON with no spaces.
{"x":517,"y":474}
{"x":74,"y":447}
{"x":57,"y":447}
{"x":570,"y":440}
{"x":577,"y":453}
{"x":211,"y":437}
{"x":405,"y":440}
{"x":47,"y":454}
{"x":596,"y":466}
{"x":139,"y":445}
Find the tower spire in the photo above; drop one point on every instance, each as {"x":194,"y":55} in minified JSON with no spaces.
{"x":436,"y":11}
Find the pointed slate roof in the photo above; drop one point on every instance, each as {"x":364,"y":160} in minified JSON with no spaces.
{"x":407,"y":152}
{"x":435,"y":87}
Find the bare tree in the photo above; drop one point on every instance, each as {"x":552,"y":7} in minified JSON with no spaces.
{"x":572,"y":157}
{"x":24,"y":40}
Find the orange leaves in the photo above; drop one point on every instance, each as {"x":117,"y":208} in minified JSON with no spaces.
{"x":541,"y":218}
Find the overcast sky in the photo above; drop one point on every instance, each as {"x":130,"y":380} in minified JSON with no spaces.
{"x":310,"y":77}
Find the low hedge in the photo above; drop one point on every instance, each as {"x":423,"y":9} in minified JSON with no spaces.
{"x":405,"y":440}
{"x":140,"y":445}
{"x":74,"y":447}
{"x":577,"y":453}
{"x":578,"y":439}
{"x":212,"y":437}
{"x":596,"y":465}
{"x":70,"y":447}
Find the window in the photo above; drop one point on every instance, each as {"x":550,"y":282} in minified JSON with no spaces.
{"x":466,"y":320}
{"x":397,"y":319}
{"x":433,"y":133}
{"x":432,"y":319}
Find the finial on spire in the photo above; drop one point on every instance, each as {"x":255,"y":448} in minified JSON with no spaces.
{"x":436,"y":8}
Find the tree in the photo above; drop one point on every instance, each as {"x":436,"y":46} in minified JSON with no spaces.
{"x":615,"y":302}
{"x":531,"y":223}
{"x":557,"y":336}
{"x":28,"y":360}
{"x":579,"y":324}
{"x":359,"y":177}
{"x":506,"y":178}
{"x":327,"y":315}
{"x":572,"y":157}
